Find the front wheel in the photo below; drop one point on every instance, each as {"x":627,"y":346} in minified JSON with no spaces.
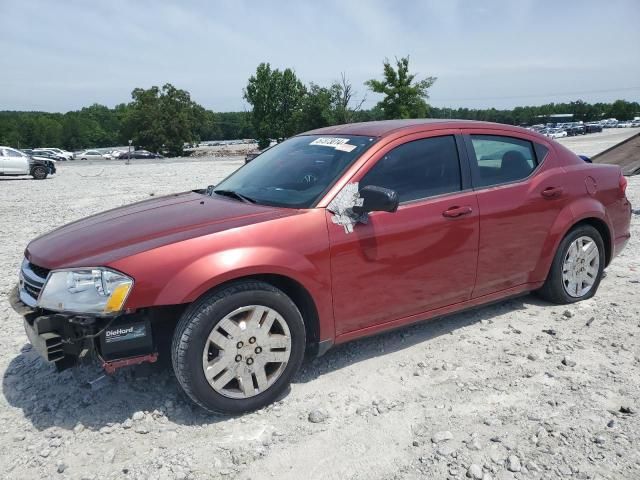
{"x":577,"y":267}
{"x":39,"y":172}
{"x":238,"y":348}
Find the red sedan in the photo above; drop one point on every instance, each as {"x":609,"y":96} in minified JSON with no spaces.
{"x":332,"y":235}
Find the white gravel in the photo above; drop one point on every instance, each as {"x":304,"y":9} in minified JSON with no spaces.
{"x":482,"y":394}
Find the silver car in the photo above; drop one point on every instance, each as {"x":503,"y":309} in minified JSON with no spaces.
{"x":89,"y":155}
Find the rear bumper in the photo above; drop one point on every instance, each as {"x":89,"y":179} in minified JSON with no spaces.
{"x":623,"y":228}
{"x":619,"y":244}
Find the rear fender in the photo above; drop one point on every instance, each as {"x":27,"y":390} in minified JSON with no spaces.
{"x":589,"y":207}
{"x":573,"y":213}
{"x":555,"y":236}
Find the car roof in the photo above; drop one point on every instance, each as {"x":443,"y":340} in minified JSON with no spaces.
{"x":384,"y":128}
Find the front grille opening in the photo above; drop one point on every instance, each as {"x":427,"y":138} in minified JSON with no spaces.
{"x":40,"y":271}
{"x":31,"y":290}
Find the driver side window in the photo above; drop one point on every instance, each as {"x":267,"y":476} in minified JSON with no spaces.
{"x":9,"y":152}
{"x":418,"y":169}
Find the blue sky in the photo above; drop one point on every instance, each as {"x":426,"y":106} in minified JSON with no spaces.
{"x":62,"y":55}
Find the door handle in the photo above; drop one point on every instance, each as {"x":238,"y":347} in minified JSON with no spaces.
{"x":551,"y":192}
{"x":454,"y":212}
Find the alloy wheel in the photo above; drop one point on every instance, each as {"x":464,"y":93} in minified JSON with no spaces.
{"x":580,"y":267}
{"x":246,"y":352}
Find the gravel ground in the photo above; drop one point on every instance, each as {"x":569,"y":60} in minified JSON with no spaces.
{"x":521,"y":389}
{"x":597,"y":142}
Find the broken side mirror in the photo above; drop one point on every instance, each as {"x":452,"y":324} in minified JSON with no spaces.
{"x":377,"y":199}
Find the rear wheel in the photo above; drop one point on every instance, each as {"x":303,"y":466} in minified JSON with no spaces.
{"x":39,"y":172}
{"x":577,"y":267}
{"x":238,"y":348}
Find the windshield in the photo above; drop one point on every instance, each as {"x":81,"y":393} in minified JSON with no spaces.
{"x":296,"y":172}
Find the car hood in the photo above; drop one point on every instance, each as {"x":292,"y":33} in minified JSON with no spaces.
{"x":121,"y":232}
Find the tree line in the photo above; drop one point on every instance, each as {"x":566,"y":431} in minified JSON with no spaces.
{"x":165,"y":118}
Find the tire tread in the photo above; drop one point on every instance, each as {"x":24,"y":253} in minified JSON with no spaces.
{"x":197,"y":313}
{"x":553,"y":290}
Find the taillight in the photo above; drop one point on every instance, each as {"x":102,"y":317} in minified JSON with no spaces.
{"x":623,"y":183}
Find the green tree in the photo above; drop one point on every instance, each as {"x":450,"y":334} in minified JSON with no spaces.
{"x":230,"y":125}
{"x":276,"y":98}
{"x":623,"y":110}
{"x":163,"y":119}
{"x":404,"y":96}
{"x":318,"y":108}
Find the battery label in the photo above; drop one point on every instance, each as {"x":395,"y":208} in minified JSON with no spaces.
{"x":130,"y":332}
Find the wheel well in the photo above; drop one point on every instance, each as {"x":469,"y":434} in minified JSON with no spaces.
{"x":603,"y":230}
{"x":298,"y":294}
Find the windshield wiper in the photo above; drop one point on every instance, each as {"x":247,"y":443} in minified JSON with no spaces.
{"x":236,"y":195}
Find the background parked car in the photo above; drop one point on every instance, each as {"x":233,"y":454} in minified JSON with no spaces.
{"x":113,"y":154}
{"x":57,"y":151}
{"x":15,"y":162}
{"x":576,"y":128}
{"x":139,"y":154}
{"x":555,"y":133}
{"x":592,"y":127}
{"x":89,"y":155}
{"x":48,"y":154}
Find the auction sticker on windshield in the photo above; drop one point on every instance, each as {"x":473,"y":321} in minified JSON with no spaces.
{"x":329,"y":141}
{"x":346,"y":147}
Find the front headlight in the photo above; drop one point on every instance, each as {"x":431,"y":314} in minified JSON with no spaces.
{"x":92,"y":290}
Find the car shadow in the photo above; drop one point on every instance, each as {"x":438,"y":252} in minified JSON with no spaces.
{"x":404,"y":337}
{"x":85,"y":396}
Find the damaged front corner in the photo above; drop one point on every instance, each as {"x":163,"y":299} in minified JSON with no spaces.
{"x":342,"y":207}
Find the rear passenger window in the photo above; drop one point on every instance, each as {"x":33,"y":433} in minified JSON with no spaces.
{"x":418,"y":169}
{"x":500,"y":159}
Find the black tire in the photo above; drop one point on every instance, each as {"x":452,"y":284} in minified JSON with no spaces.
{"x":553,"y":289}
{"x":195,"y":326}
{"x":39,"y":172}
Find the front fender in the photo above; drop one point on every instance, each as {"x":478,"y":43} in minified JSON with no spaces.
{"x":209,"y":271}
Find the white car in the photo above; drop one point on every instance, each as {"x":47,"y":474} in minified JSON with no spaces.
{"x":89,"y":155}
{"x":113,"y":154}
{"x":15,"y":162}
{"x":57,"y":151}
{"x":557,"y":133}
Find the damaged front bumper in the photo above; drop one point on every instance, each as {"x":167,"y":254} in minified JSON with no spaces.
{"x":67,"y":339}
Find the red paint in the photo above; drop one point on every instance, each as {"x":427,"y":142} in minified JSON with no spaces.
{"x":433,"y":256}
{"x":111,"y":366}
